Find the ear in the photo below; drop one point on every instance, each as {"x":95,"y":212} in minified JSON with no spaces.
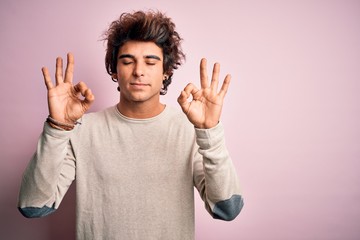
{"x":114,"y":76}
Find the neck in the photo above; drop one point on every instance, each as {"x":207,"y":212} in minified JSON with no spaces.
{"x":139,"y":110}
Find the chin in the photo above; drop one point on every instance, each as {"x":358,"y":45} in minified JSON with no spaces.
{"x":140,"y":97}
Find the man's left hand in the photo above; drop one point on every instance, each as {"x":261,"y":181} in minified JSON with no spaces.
{"x":204,"y":109}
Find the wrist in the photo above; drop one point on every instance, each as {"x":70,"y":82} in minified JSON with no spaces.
{"x":60,"y":125}
{"x":207,"y":126}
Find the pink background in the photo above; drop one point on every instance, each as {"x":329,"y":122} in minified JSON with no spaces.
{"x":291,"y":115}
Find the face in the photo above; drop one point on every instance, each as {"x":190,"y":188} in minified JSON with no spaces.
{"x":140,"y":71}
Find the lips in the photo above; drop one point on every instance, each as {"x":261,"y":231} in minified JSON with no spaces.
{"x":139,"y":84}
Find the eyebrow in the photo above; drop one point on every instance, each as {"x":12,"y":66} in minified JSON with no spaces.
{"x":153,"y":57}
{"x":133,"y":57}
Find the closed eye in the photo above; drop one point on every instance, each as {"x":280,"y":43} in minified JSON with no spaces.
{"x":127,"y":62}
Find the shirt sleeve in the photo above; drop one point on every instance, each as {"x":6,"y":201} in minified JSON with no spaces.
{"x":215,"y":176}
{"x":48,"y":175}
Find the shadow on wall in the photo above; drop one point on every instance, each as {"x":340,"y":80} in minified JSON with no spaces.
{"x":62,"y":222}
{"x":58,"y":226}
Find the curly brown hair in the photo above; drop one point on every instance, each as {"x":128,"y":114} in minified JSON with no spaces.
{"x":145,"y":26}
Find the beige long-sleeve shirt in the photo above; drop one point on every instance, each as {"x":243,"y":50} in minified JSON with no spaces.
{"x":135,"y":178}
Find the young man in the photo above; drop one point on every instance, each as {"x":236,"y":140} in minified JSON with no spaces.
{"x":136,"y":163}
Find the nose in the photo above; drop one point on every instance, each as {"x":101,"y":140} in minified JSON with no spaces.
{"x":139,"y":69}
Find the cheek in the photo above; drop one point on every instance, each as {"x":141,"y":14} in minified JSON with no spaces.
{"x":122,"y":74}
{"x":159,"y":80}
{"x":159,"y":75}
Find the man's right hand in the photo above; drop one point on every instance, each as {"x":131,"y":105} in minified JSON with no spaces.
{"x":65,"y":104}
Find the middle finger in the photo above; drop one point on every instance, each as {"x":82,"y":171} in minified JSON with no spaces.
{"x":59,"y":71}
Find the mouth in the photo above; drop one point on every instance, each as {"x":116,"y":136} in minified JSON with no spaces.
{"x":139,"y":84}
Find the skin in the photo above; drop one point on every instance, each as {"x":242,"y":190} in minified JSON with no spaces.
{"x":204,"y":110}
{"x":140,"y":74}
{"x":64,"y":100}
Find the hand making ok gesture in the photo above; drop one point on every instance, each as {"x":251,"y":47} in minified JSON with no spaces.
{"x":64,"y":100}
{"x":204,"y":109}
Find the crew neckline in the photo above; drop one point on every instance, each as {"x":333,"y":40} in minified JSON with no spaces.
{"x":141,"y":120}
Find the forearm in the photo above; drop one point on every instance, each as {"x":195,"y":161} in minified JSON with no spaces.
{"x":49,"y":173}
{"x":216,"y":176}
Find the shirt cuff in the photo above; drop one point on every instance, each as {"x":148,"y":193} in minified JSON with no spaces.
{"x":208,"y":138}
{"x":56,"y":133}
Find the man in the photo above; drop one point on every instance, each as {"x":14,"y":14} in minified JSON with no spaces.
{"x":135,"y":163}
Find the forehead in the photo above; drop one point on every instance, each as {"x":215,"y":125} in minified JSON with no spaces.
{"x":140,"y":49}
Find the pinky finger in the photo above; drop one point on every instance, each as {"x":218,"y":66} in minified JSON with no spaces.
{"x":47,"y":78}
{"x":225,"y":86}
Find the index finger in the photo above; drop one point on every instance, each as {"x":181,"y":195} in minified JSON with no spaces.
{"x":69,"y":72}
{"x":203,"y":74}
